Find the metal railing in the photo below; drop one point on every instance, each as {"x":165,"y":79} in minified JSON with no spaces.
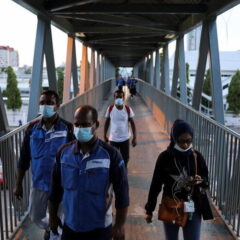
{"x":219,"y":145}
{"x":12,"y":211}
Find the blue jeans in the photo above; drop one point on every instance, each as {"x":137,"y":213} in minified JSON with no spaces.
{"x":190,"y":232}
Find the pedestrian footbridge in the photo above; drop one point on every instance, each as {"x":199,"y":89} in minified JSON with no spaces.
{"x":132,"y":34}
{"x":155,"y":112}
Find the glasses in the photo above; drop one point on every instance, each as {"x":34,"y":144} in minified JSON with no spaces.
{"x":183,"y":141}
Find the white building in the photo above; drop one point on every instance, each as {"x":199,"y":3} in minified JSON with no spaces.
{"x":8,"y":57}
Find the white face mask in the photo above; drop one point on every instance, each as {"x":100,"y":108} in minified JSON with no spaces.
{"x":181,"y":149}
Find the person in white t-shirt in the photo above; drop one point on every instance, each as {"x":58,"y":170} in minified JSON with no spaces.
{"x":118,"y":117}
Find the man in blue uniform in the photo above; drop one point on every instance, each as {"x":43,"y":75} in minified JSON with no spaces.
{"x":86,"y":173}
{"x":42,"y":139}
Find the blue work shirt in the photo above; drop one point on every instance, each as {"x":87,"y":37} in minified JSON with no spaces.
{"x":40,"y":147}
{"x":86,"y":183}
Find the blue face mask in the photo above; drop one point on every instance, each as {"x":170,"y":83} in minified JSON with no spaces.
{"x":119,"y":101}
{"x":83,"y":134}
{"x":47,"y":111}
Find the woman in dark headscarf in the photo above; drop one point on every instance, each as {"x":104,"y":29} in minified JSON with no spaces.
{"x":175,"y":170}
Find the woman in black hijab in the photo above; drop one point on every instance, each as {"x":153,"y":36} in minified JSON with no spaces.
{"x":175,"y":170}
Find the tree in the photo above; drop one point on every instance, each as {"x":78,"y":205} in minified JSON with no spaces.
{"x":233,"y":97}
{"x":189,"y":93}
{"x":207,"y":89}
{"x":12,"y":92}
{"x":207,"y":83}
{"x":60,"y":80}
{"x":117,"y":71}
{"x":187,"y":72}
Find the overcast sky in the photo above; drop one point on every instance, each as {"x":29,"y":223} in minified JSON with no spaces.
{"x":18,"y":30}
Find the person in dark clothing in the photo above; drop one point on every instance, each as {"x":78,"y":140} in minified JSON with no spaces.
{"x":42,"y":139}
{"x":175,"y":170}
{"x":131,"y":82}
{"x":86,"y":174}
{"x":120,"y":83}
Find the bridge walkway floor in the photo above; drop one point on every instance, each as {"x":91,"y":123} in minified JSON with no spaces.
{"x":151,"y":141}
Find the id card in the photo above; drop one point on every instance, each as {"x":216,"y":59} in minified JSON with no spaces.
{"x":189,"y":207}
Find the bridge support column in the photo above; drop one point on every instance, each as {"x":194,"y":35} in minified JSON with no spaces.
{"x":144,"y":77}
{"x":43,"y":44}
{"x":157,"y":70}
{"x":92,"y":76}
{"x":98,"y":69}
{"x":70,"y":70}
{"x":175,"y":71}
{"x":182,"y":71}
{"x":151,"y":71}
{"x":84,"y":81}
{"x":48,"y":50}
{"x":135,"y":70}
{"x":165,"y":86}
{"x":215,"y":73}
{"x":202,"y":60}
{"x":4,"y":128}
{"x":101,"y":69}
{"x":209,"y":42}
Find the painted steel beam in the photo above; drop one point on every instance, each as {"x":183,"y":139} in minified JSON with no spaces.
{"x":114,"y":30}
{"x":4,"y":127}
{"x":48,"y":50}
{"x":201,"y":66}
{"x":68,"y":70}
{"x":84,"y":81}
{"x":182,"y":71}
{"x":92,"y":75}
{"x":217,"y":95}
{"x":157,"y":70}
{"x":66,"y":4}
{"x":175,"y":71}
{"x":165,"y":85}
{"x":151,"y":71}
{"x":118,"y":20}
{"x":98,"y":69}
{"x":146,"y":9}
{"x":36,"y":82}
{"x":74,"y":70}
{"x":121,"y":37}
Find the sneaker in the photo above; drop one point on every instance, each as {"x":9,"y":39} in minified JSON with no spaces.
{"x":46,"y":235}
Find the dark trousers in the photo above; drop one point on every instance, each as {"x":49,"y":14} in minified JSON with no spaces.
{"x":97,"y":234}
{"x":190,"y":232}
{"x":123,"y":147}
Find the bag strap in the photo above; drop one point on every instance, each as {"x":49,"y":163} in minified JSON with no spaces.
{"x":195,"y":160}
{"x":110,"y":108}
{"x":126,"y":107}
{"x":128,"y":110}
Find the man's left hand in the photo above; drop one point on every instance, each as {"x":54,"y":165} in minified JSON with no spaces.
{"x":118,"y":232}
{"x":134,"y":142}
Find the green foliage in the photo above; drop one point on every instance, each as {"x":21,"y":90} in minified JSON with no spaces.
{"x":207,"y":89}
{"x":14,"y":100}
{"x":28,"y":71}
{"x":233,"y":97}
{"x":207,"y":83}
{"x":117,"y":71}
{"x":60,"y":80}
{"x":189,"y":92}
{"x":187,"y":72}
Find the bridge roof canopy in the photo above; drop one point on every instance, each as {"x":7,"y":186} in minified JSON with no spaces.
{"x":125,"y":31}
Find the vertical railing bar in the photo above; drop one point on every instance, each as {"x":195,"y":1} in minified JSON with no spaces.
{"x":1,"y":204}
{"x":235,"y":184}
{"x":228,"y":215}
{"x":4,"y":164}
{"x":10,"y":189}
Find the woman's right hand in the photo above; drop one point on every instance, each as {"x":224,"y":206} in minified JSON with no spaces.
{"x":148,"y":218}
